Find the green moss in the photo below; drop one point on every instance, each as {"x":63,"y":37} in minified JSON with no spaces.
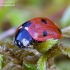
{"x":1,"y":60}
{"x":45,"y":46}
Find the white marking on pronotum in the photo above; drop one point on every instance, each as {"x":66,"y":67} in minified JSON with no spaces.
{"x":26,"y":28}
{"x":35,"y":35}
{"x":25,"y":42}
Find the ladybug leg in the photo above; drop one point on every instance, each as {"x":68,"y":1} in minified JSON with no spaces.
{"x":19,"y":44}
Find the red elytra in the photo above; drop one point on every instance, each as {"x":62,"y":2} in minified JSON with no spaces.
{"x":42,"y":29}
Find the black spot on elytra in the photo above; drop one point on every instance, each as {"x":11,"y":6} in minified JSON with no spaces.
{"x":44,"y":33}
{"x":44,"y":21}
{"x":26,"y":24}
{"x":59,"y":30}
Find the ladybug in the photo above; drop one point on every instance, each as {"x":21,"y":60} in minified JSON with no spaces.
{"x":36,"y":30}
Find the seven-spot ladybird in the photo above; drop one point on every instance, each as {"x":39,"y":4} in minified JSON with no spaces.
{"x":36,"y":30}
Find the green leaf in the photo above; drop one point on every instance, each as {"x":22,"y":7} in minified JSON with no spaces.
{"x":1,"y":60}
{"x":41,"y":64}
{"x":29,"y":66}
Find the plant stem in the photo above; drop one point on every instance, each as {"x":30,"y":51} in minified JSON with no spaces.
{"x":41,"y":64}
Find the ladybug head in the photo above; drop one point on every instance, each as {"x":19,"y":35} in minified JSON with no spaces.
{"x":22,"y":38}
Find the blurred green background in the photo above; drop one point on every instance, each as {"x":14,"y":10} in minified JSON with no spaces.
{"x":15,"y":12}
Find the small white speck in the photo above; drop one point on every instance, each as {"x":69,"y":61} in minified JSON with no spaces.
{"x":26,"y":28}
